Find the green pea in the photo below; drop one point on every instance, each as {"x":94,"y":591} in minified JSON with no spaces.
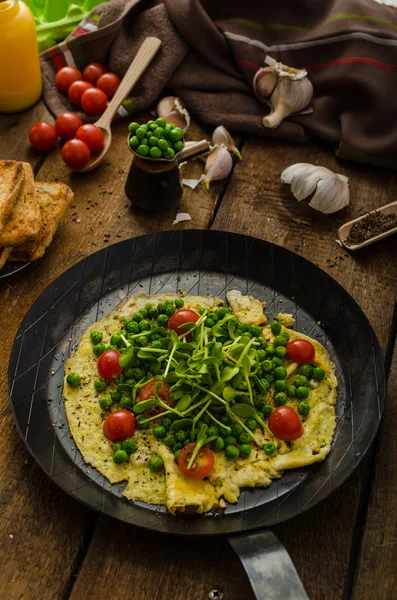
{"x":134,"y":142}
{"x":231,"y":452}
{"x":159,"y":432}
{"x":255,"y":330}
{"x":73,"y":379}
{"x":155,"y":344}
{"x":269,"y":351}
{"x":163,"y":144}
{"x":291,"y":391}
{"x":162,"y":320}
{"x":100,"y":385}
{"x":116,"y":396}
{"x":259,"y":371}
{"x":210,"y":323}
{"x":269,"y":448}
{"x":237,"y":430}
{"x":265,"y":384}
{"x":176,"y":455}
{"x":302,"y":392}
{"x":144,"y":325}
{"x":161,"y":122}
{"x":262,"y":341}
{"x":96,"y":337}
{"x":280,"y":351}
{"x":139,"y":423}
{"x":156,"y":463}
{"x":280,"y":399}
{"x":166,"y":424}
{"x":169,"y":441}
{"x":105,"y":403}
{"x":152,"y":313}
{"x":222,"y":311}
{"x":267,"y":366}
{"x":306,"y":370}
{"x":178,"y":146}
{"x":143,"y":150}
{"x":155,"y":152}
{"x":153,"y":141}
{"x":132,"y":127}
{"x":218,"y":445}
{"x":281,"y":385}
{"x":267,"y":410}
{"x":116,"y":446}
{"x":152,"y":126}
{"x":277,"y":362}
{"x":261,"y":355}
{"x":158,"y":132}
{"x":251,"y":424}
{"x":169,"y":154}
{"x":129,"y":446}
{"x":151,"y":122}
{"x":300,"y":380}
{"x":269,"y":377}
{"x":119,"y":379}
{"x":280,"y":373}
{"x":120,"y":457}
{"x":129,"y":372}
{"x":261,"y":415}
{"x":275,"y":328}
{"x":142,"y":341}
{"x":281,"y":340}
{"x":175,"y":135}
{"x":141,"y":133}
{"x":138,"y":373}
{"x":212,"y":430}
{"x":144,"y":312}
{"x":116,"y":340}
{"x":180,"y":435}
{"x":303,"y":408}
{"x":126,"y":402}
{"x":230,"y":440}
{"x":133,"y":327}
{"x":130,"y":381}
{"x":318,"y":373}
{"x":244,"y":438}
{"x":99,"y":349}
{"x":247,"y":335}
{"x":187,"y":441}
{"x":145,"y":142}
{"x":244,"y":450}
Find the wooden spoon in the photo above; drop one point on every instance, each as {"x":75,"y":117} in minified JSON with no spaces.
{"x":344,"y":231}
{"x":138,"y":66}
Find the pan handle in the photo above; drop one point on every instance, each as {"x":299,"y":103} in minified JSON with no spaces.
{"x":270,"y":570}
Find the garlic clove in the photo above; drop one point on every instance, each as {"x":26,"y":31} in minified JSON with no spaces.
{"x":331,"y":190}
{"x":284,"y":70}
{"x":178,"y":119}
{"x":218,"y":165}
{"x":265,"y":81}
{"x":289,"y":97}
{"x":173,"y":111}
{"x":221,"y":136}
{"x":165,"y":106}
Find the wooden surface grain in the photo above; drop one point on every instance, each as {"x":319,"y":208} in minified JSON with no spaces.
{"x":52,"y":547}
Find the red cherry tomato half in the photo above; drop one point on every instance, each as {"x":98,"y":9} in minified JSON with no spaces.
{"x":76,"y":91}
{"x":43,"y":136}
{"x":108,"y":83}
{"x":148,"y":392}
{"x":66,"y":76}
{"x":300,"y":351}
{"x":203,"y":463}
{"x":94,"y":101}
{"x":76,"y":154}
{"x":67,"y":125}
{"x":108,"y":365}
{"x":184,"y":315}
{"x":92,"y":136}
{"x":93,"y":71}
{"x":285,"y":424}
{"x":119,"y":425}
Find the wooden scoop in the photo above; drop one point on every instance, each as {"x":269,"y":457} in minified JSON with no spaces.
{"x":138,"y":66}
{"x":344,"y":231}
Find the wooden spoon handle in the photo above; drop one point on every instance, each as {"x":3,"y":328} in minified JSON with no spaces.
{"x":138,"y":66}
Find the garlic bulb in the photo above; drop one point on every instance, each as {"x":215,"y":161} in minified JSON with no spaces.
{"x":292,"y":94}
{"x":172,"y":110}
{"x":331,"y":190}
{"x":218,"y":165}
{"x":221,"y":136}
{"x":265,"y":81}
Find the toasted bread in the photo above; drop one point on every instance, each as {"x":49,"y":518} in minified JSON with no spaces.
{"x":4,"y":254}
{"x":24,"y":222}
{"x":11,"y":180}
{"x":53,"y":199}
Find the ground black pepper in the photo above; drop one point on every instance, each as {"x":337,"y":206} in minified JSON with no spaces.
{"x":373,"y":224}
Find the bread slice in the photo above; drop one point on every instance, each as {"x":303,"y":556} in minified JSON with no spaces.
{"x":4,"y":254}
{"x":24,"y":222}
{"x":53,"y":199}
{"x":11,"y":180}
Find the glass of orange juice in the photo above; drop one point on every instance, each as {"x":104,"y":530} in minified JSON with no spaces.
{"x":20,"y":77}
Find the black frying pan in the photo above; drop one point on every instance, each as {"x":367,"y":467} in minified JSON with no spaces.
{"x":200,"y":262}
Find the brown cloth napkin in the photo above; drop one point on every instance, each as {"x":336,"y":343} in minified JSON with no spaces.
{"x":211,"y":51}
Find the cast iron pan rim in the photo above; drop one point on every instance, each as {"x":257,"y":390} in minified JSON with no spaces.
{"x":185,"y":533}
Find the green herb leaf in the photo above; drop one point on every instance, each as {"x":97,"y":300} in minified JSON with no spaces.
{"x":181,"y":424}
{"x":229,"y":372}
{"x":243,"y":410}
{"x":127,"y":358}
{"x":125,"y":387}
{"x":184,"y":403}
{"x":140,"y":407}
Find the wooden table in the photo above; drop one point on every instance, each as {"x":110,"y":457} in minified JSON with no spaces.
{"x":52,"y":547}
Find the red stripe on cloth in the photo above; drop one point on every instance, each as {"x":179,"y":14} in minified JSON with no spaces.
{"x":58,"y":61}
{"x":79,"y":31}
{"x":248,"y":65}
{"x":352,"y":59}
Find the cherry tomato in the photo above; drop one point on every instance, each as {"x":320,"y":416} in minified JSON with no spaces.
{"x":76,"y":154}
{"x":148,"y":392}
{"x":108,"y":83}
{"x":203,"y":463}
{"x":119,"y":425}
{"x":67,"y":125}
{"x":76,"y":91}
{"x":94,"y":101}
{"x":285,"y":424}
{"x":93,"y":71}
{"x":108,"y":364}
{"x":43,"y":136}
{"x":184,"y":315}
{"x":92,"y":136}
{"x":300,"y":351}
{"x":66,"y":76}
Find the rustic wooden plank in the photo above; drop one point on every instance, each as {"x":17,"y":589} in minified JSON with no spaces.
{"x":256,"y":203}
{"x":376,"y":571}
{"x":50,"y":531}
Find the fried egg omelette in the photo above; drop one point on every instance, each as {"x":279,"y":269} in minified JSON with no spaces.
{"x":231,"y":350}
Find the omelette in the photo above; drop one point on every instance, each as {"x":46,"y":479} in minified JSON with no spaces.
{"x":188,"y":400}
